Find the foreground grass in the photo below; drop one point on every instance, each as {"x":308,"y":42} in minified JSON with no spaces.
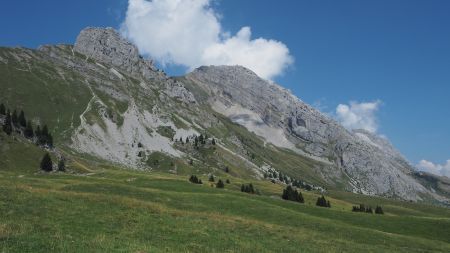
{"x":113,"y":210}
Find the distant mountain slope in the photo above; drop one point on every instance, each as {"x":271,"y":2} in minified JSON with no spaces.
{"x":102,"y":99}
{"x":370,"y":163}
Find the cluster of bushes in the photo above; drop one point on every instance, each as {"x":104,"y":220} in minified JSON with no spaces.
{"x":197,"y":140}
{"x":292,"y":194}
{"x":248,"y":188}
{"x":194,"y":179}
{"x":363,"y":209}
{"x":47,"y":164}
{"x":11,"y":122}
{"x":322,"y":202}
{"x":219,"y":183}
{"x":274,"y":175}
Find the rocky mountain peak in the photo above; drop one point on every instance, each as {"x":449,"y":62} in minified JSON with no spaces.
{"x":108,"y":46}
{"x":231,"y":74}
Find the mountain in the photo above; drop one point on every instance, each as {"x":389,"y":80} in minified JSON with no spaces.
{"x":104,"y":101}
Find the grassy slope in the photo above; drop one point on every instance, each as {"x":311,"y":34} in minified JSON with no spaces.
{"x":38,"y":89}
{"x":114,"y":210}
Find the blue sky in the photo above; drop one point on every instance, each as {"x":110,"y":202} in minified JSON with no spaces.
{"x":396,"y":52}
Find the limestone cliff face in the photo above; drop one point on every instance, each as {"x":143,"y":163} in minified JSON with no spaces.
{"x":371,"y":164}
{"x":106,"y":45}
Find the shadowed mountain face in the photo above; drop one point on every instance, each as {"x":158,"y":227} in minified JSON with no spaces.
{"x":118,"y":107}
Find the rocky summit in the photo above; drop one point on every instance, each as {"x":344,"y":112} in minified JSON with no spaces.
{"x":119,"y":108}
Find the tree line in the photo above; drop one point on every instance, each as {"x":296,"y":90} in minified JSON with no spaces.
{"x":17,"y":122}
{"x":198,"y":141}
{"x":363,"y":209}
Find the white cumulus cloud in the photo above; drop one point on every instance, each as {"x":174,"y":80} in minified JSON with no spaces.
{"x":359,"y":115}
{"x":437,"y":169}
{"x":188,"y":33}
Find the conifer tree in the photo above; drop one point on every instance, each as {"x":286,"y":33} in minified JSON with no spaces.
{"x":29,"y":130}
{"x":211,"y":178}
{"x":37,"y":132}
{"x":7,"y":126}
{"x":187,"y":140}
{"x":61,"y":165}
{"x":46,"y":163}
{"x":280,"y":177}
{"x":251,"y":189}
{"x":300,"y":198}
{"x":213,"y":142}
{"x":228,"y":181}
{"x":22,"y":120}
{"x":220,"y":184}
{"x":194,"y":179}
{"x":379,"y":210}
{"x":2,"y":109}
{"x":321,"y":201}
{"x":14,"y":119}
{"x":242,"y":188}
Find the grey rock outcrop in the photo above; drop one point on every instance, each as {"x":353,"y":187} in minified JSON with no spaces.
{"x":369,"y":164}
{"x":108,"y":46}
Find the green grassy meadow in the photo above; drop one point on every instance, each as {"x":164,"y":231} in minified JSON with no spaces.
{"x":99,"y":208}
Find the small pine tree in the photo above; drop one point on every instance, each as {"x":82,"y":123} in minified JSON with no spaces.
{"x":242,"y":188}
{"x":46,"y":163}
{"x":211,"y":178}
{"x":14,"y":119}
{"x":321,"y":201}
{"x":228,"y":181}
{"x":22,"y":120}
{"x":227,"y":170}
{"x":251,"y":189}
{"x":7,"y":126}
{"x":379,"y":210}
{"x":42,"y":136}
{"x":195,"y":180}
{"x":187,"y":140}
{"x":220,"y":184}
{"x":50,"y":141}
{"x":213,"y":142}
{"x":61,"y":165}
{"x":300,"y":198}
{"x":29,"y":133}
{"x":2,"y":109}
{"x":38,"y":132}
